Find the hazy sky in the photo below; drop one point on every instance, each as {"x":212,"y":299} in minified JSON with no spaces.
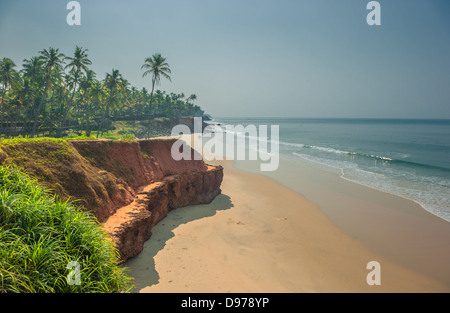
{"x":280,"y":58}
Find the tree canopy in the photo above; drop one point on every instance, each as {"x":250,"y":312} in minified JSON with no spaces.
{"x":54,"y":94}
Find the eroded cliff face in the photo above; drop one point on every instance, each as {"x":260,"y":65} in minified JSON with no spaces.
{"x":156,"y":183}
{"x":128,"y":185}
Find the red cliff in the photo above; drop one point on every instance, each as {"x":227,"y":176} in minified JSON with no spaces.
{"x":128,"y":185}
{"x":157,"y":184}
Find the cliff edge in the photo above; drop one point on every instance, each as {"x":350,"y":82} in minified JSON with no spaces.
{"x":128,"y":185}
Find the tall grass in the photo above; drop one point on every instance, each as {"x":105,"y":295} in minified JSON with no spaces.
{"x":40,"y":235}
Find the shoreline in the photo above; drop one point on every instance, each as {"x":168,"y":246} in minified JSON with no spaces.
{"x":393,"y":226}
{"x":296,"y":246}
{"x":397,"y":195}
{"x":342,"y":175}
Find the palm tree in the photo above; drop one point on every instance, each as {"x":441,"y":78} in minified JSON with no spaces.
{"x":76,"y":63}
{"x":139,"y":108}
{"x":32,"y":68}
{"x":52,"y":60}
{"x":79,"y":61}
{"x":190,"y":110}
{"x":22,"y":95}
{"x":114,"y":83}
{"x":134,"y":99}
{"x":32,"y":76}
{"x":192,"y":98}
{"x":157,"y":67}
{"x":8,"y":77}
{"x":59,"y":102}
{"x":94,"y":96}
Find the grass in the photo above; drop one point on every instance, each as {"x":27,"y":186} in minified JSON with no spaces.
{"x":122,"y":130}
{"x":82,"y":137}
{"x":52,"y":149}
{"x":57,"y":165}
{"x":40,"y":234}
{"x":19,"y":140}
{"x":106,"y":135}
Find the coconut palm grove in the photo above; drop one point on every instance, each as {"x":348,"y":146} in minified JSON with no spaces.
{"x":58,"y":95}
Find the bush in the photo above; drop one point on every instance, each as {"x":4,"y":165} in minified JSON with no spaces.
{"x":83,"y":137}
{"x":40,"y":235}
{"x":128,"y":137}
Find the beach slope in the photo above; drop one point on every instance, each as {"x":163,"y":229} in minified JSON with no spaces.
{"x":259,"y":236}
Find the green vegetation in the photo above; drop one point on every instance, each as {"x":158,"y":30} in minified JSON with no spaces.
{"x":52,"y":99}
{"x":55,"y":95}
{"x":58,"y":166}
{"x":157,"y":67}
{"x":40,"y":235}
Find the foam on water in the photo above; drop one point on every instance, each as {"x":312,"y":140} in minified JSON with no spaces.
{"x":432,"y":193}
{"x":406,"y":158}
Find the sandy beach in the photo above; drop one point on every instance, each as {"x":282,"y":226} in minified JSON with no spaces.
{"x":259,"y":236}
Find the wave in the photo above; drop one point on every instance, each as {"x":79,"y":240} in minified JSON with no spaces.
{"x":374,"y":157}
{"x":407,"y":171}
{"x":353,"y":154}
{"x":430,"y":192}
{"x":426,"y":166}
{"x":325,"y":149}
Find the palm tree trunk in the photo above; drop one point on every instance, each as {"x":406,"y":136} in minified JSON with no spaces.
{"x":1,"y":108}
{"x":38,"y":112}
{"x":14,"y":123}
{"x":100,"y":126}
{"x":66,"y":111}
{"x":104,"y":114}
{"x":27,"y":120}
{"x":150,"y":103}
{"x":88,"y":130}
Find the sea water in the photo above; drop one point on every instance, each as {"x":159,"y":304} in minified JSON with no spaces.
{"x":409,"y":158}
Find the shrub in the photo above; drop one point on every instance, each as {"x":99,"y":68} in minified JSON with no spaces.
{"x":128,"y":137}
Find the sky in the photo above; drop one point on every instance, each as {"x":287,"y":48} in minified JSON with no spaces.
{"x":258,"y":58}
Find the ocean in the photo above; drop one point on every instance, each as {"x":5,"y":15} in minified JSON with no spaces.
{"x":409,"y":158}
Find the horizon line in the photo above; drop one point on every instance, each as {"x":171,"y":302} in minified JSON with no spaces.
{"x":334,"y":118}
